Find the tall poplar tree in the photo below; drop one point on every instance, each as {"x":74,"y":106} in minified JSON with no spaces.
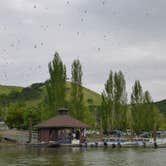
{"x":114,"y":99}
{"x":120,"y":101}
{"x":76,"y":90}
{"x":147,"y":112}
{"x":137,"y":105}
{"x":109,"y":93}
{"x":105,"y":113}
{"x":56,"y":86}
{"x":151,"y":114}
{"x":144,"y":112}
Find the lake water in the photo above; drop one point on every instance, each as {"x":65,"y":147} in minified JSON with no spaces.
{"x":21,"y":156}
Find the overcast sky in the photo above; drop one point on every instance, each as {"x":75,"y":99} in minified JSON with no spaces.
{"x":127,"y":35}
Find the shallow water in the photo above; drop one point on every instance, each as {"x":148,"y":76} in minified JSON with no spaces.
{"x":21,"y":156}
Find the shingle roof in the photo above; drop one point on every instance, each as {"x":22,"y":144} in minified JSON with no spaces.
{"x":61,"y":121}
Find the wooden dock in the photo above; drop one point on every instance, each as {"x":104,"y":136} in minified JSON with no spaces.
{"x":95,"y":145}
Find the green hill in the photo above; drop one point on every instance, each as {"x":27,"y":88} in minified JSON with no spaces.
{"x":36,"y":93}
{"x":7,"y":89}
{"x":162,"y":106}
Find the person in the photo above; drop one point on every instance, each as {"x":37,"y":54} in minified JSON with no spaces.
{"x":144,"y":143}
{"x":119,"y":135}
{"x":155,"y":144}
{"x":70,"y":137}
{"x":77,"y":134}
{"x":73,"y":135}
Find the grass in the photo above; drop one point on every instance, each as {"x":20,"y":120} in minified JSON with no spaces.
{"x":7,"y":89}
{"x":162,"y":106}
{"x":89,"y":95}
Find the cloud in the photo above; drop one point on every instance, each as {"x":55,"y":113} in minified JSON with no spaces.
{"x":127,"y":35}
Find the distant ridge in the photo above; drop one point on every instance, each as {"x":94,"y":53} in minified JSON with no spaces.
{"x":6,"y":89}
{"x":35,"y":94}
{"x":90,"y":97}
{"x":162,"y":106}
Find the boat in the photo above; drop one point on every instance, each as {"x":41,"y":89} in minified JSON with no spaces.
{"x":109,"y":142}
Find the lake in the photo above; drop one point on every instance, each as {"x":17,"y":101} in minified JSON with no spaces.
{"x":21,"y":156}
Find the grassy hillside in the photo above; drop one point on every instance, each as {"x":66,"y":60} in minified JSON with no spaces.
{"x":162,"y":106}
{"x":7,"y":89}
{"x":89,"y":95}
{"x":35,"y":94}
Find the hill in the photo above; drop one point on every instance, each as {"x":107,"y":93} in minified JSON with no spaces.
{"x":36,"y":93}
{"x":162,"y":106}
{"x":7,"y":89}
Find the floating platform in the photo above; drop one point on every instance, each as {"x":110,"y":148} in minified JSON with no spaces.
{"x":97,"y":145}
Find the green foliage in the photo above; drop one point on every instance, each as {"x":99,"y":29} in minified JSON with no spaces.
{"x":29,"y":93}
{"x":7,"y":89}
{"x":56,"y":86}
{"x":105,"y":114}
{"x":137,"y":106}
{"x":14,"y":117}
{"x":137,"y":93}
{"x":18,"y":116}
{"x":45,"y":111}
{"x":88,"y":117}
{"x":0,"y":137}
{"x":114,"y":103}
{"x":3,"y":112}
{"x":41,"y":105}
{"x":144,"y":112}
{"x":76,"y":90}
{"x":109,"y":111}
{"x":31,"y":101}
{"x":120,"y":101}
{"x":32,"y":114}
{"x":150,"y":109}
{"x":162,"y":106}
{"x":108,"y":101}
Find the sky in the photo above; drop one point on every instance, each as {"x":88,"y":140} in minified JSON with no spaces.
{"x":126,"y":35}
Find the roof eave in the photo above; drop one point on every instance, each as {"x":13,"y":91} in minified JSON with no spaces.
{"x":39,"y":127}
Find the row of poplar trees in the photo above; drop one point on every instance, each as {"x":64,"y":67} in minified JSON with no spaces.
{"x":117,"y":112}
{"x":138,"y":114}
{"x":57,"y":87}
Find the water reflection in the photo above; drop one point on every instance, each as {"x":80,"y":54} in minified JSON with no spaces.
{"x":19,"y":156}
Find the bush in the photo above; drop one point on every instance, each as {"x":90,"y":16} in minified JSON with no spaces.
{"x":14,"y":117}
{"x":33,"y":114}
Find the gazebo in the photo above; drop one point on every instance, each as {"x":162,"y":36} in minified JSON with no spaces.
{"x":61,"y":129}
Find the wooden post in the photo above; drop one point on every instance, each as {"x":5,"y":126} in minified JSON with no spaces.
{"x":38,"y":135}
{"x":154,"y":135}
{"x":30,"y":130}
{"x":63,"y":135}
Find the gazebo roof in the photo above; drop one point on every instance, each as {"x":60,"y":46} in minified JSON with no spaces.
{"x":62,"y":121}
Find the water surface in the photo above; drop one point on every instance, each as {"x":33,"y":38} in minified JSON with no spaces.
{"x":21,"y":156}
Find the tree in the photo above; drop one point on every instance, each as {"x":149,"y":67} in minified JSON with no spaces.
{"x":136,"y":106}
{"x":76,"y":90}
{"x":144,"y":112}
{"x":32,"y":114}
{"x":137,"y":93}
{"x":109,"y":92}
{"x":56,"y":86}
{"x":14,"y":117}
{"x":151,"y":114}
{"x":120,"y":101}
{"x":114,"y":102}
{"x":105,"y":113}
{"x":147,"y":112}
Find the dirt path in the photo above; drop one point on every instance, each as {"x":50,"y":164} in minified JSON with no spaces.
{"x":21,"y":136}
